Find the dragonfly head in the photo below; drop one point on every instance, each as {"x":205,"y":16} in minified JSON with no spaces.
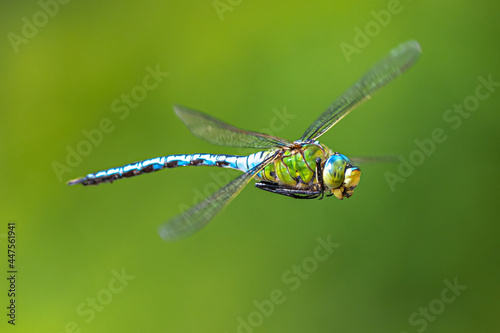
{"x":340,"y":176}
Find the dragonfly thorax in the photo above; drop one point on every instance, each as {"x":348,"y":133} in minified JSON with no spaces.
{"x":340,"y":175}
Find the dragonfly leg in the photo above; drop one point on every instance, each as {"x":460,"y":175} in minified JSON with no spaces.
{"x":288,"y":190}
{"x":319,"y":173}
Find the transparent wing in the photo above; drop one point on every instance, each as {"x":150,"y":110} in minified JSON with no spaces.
{"x":374,"y":159}
{"x":394,"y":64}
{"x":198,"y":216}
{"x":218,"y":132}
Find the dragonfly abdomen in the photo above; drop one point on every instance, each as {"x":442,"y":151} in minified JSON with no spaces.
{"x":159,"y":163}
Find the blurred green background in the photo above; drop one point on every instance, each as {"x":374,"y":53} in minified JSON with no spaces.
{"x":245,"y":62}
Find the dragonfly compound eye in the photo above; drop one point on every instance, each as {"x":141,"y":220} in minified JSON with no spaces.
{"x":334,"y":171}
{"x":340,"y":176}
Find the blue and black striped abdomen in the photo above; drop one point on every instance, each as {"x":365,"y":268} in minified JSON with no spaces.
{"x":159,"y":163}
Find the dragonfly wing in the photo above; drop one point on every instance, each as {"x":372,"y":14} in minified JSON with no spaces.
{"x":198,"y":216}
{"x":394,"y":64}
{"x":220,"y":133}
{"x":374,"y":159}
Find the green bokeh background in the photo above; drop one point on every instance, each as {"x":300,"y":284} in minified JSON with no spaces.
{"x":396,"y":247}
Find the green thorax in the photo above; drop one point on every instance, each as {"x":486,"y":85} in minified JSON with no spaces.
{"x":297,"y":166}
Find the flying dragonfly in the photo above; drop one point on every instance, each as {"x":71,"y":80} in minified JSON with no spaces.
{"x":303,"y":169}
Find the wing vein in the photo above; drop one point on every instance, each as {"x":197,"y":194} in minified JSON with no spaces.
{"x":390,"y":67}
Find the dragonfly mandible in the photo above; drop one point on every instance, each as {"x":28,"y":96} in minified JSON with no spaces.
{"x":303,"y":169}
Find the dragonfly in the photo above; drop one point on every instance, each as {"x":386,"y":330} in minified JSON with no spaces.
{"x":302,"y":169}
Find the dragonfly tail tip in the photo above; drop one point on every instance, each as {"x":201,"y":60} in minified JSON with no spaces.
{"x":75,"y":181}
